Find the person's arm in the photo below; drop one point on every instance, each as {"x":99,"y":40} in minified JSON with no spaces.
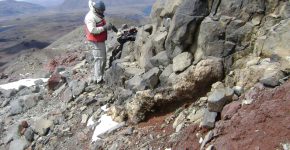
{"x":91,"y":25}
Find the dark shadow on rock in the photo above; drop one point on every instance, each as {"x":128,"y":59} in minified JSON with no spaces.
{"x":4,"y":40}
{"x":25,"y":45}
{"x":2,"y":63}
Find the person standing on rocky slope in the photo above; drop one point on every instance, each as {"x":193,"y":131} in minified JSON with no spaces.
{"x":96,"y":33}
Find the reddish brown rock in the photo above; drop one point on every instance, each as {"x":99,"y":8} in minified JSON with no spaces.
{"x":264,"y":124}
{"x":55,"y":81}
{"x":230,"y":109}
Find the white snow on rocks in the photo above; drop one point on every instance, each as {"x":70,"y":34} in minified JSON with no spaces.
{"x":23,"y":82}
{"x":105,"y":125}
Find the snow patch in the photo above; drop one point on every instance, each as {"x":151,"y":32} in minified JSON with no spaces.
{"x":104,"y":108}
{"x":23,"y":82}
{"x":91,"y":121}
{"x":106,"y":125}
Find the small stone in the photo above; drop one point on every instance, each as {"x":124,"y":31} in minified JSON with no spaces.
{"x":16,"y":107}
{"x":24,"y":124}
{"x":128,"y":131}
{"x":83,"y":108}
{"x":272,"y":79}
{"x":197,"y":116}
{"x":42,"y":126}
{"x":181,"y":117}
{"x":84,"y":118}
{"x":182,"y":61}
{"x":247,"y":101}
{"x":29,"y":134}
{"x":207,"y":138}
{"x":238,"y":90}
{"x":179,"y":127}
{"x":217,"y":100}
{"x":208,"y":120}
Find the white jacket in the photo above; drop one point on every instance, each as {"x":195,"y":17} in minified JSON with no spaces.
{"x":92,"y":19}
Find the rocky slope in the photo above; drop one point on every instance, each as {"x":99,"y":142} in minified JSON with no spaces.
{"x":203,"y":75}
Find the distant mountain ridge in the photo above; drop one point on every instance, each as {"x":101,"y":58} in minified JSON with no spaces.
{"x":12,"y":8}
{"x":80,"y":4}
{"x":45,"y":3}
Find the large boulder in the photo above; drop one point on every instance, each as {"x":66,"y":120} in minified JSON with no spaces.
{"x":161,"y":59}
{"x":242,"y":9}
{"x":159,"y":40}
{"x":170,"y":8}
{"x":148,"y":80}
{"x":247,"y":76}
{"x":141,"y":38}
{"x":184,"y":25}
{"x":222,"y":38}
{"x":188,"y":84}
{"x":164,"y":76}
{"x":146,"y":53}
{"x":275,"y":42}
{"x":182,"y":61}
{"x":121,"y":71}
{"x":196,"y":79}
{"x":128,"y":49}
{"x":210,"y":39}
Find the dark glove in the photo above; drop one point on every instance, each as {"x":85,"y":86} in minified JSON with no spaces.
{"x":107,"y":27}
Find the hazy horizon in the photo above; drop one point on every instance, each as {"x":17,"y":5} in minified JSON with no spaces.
{"x":45,"y":3}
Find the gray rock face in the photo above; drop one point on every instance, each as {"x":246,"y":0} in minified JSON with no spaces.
{"x":148,"y":80}
{"x":184,"y":24}
{"x":16,"y":107}
{"x":128,"y":49}
{"x":210,"y":39}
{"x":30,"y":101}
{"x":186,"y":85}
{"x":42,"y":126}
{"x":141,"y":48}
{"x":67,"y":95}
{"x":159,"y":41}
{"x":151,"y":78}
{"x":236,"y":9}
{"x":181,"y":62}
{"x":272,"y":79}
{"x":170,"y":7}
{"x":77,"y":87}
{"x":208,"y":120}
{"x":222,"y":38}
{"x":9,"y":93}
{"x":238,"y":90}
{"x":161,"y":59}
{"x":146,"y":53}
{"x":19,"y":144}
{"x":135,"y":84}
{"x":219,"y":98}
{"x":29,"y":134}
{"x":123,"y":95}
{"x":165,"y":74}
{"x":12,"y":134}
{"x":121,"y":71}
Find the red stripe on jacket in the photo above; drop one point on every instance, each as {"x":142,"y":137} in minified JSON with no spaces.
{"x":102,"y":37}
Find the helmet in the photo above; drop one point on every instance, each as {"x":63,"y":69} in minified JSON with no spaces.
{"x":99,"y":6}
